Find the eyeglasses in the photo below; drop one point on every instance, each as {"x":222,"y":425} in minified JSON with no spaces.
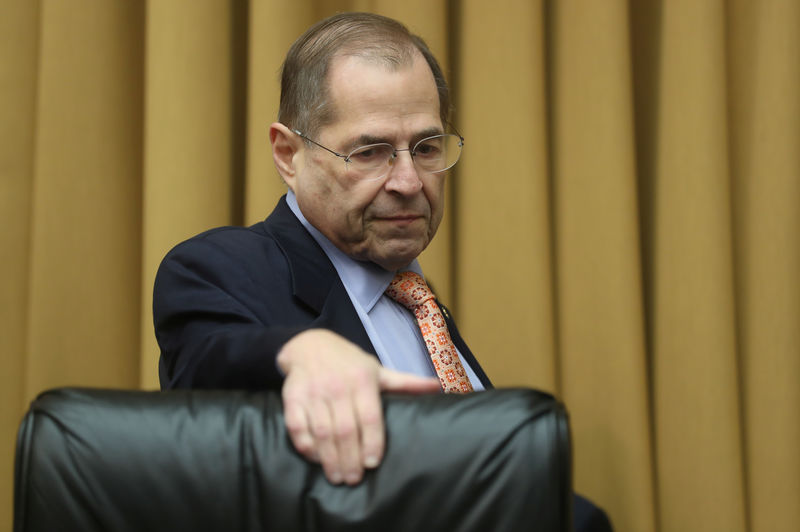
{"x":431,"y":155}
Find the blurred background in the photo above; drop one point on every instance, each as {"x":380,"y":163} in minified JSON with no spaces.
{"x":622,"y":229}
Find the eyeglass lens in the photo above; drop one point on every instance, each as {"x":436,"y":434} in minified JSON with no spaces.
{"x":430,"y":155}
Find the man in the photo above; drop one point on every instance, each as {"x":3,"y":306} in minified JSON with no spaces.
{"x":299,"y":302}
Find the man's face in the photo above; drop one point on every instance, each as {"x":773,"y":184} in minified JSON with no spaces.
{"x":390,"y":220}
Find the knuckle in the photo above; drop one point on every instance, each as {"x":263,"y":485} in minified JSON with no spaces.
{"x":292,"y":394}
{"x":322,"y":432}
{"x":345,"y":431}
{"x":295,"y":421}
{"x":335,"y":389}
{"x":295,"y":426}
{"x":303,"y":446}
{"x":295,"y":390}
{"x":363,"y":376}
{"x":371,"y":418}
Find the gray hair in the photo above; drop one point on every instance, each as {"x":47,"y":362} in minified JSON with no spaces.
{"x":305,"y":101}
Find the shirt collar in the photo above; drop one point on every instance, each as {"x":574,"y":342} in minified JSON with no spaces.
{"x":365,"y":281}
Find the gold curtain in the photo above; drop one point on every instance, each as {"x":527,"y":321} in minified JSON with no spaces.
{"x":632,"y":179}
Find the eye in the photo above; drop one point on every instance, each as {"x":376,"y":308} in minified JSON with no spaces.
{"x":429,"y":148}
{"x":374,"y":153}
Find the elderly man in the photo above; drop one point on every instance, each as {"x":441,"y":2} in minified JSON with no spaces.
{"x":325,"y":299}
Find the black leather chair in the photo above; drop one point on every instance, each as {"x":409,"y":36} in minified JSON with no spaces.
{"x":92,"y":460}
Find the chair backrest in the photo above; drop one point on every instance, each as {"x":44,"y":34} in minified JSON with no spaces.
{"x":100,"y":460}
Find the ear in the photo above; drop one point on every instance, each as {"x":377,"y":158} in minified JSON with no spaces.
{"x":286,"y":146}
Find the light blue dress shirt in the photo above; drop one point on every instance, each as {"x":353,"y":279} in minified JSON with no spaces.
{"x":391,"y":328}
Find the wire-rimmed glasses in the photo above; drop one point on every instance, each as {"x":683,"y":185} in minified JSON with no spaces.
{"x":431,"y":155}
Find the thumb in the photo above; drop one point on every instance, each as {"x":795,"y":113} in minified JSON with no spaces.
{"x":390,"y":380}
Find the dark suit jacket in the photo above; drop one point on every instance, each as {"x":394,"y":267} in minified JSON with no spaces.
{"x":226,"y":301}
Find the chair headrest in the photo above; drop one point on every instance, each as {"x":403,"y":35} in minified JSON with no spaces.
{"x":221,"y":460}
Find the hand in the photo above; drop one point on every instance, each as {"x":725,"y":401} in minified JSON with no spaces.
{"x":331,"y":401}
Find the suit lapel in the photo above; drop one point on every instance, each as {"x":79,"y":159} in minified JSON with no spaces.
{"x":314,"y":279}
{"x":338,"y":314}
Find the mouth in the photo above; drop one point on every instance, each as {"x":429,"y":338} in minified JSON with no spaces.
{"x":400,"y":219}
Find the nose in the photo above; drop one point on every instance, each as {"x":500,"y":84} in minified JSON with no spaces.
{"x":403,"y":177}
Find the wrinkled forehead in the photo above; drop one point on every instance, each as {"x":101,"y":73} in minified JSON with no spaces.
{"x":357,"y":81}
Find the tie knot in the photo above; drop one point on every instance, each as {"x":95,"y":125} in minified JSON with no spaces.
{"x":409,"y":289}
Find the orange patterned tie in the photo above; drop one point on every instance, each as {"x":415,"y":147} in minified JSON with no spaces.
{"x":410,"y":290}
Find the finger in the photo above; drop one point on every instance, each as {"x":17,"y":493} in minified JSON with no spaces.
{"x":322,"y":432}
{"x":395,"y":381}
{"x":346,"y":439}
{"x":294,"y":413}
{"x":369,"y":411}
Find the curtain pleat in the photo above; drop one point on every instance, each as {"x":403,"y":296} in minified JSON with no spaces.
{"x":19,"y":46}
{"x":621,"y":230}
{"x":502,"y":213}
{"x":83,"y":300}
{"x":764,"y":80}
{"x":696,"y":388}
{"x":598,"y":270}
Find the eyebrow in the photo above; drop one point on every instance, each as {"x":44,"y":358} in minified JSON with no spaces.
{"x":366,"y":139}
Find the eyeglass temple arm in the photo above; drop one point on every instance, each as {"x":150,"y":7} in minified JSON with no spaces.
{"x":303,"y":136}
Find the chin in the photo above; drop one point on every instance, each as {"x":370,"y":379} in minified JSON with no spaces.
{"x":399,"y":257}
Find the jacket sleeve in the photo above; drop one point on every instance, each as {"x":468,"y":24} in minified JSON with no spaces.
{"x":218,"y":324}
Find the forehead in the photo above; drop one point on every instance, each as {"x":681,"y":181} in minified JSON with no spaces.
{"x":370,"y":96}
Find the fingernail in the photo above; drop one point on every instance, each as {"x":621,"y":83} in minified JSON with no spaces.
{"x":336,"y":478}
{"x":353,"y":478}
{"x":371,"y":461}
